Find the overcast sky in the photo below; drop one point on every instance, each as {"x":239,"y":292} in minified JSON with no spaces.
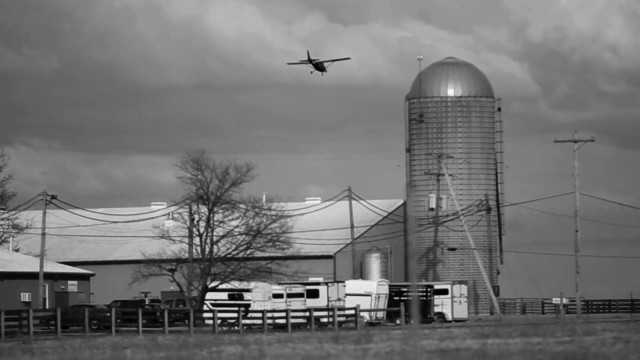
{"x":99,"y":98}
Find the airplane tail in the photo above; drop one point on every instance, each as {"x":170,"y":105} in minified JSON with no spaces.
{"x":308,"y":56}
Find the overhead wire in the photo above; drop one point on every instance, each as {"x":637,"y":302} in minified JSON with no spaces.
{"x":340,"y":195}
{"x":108,"y":221}
{"x":581,"y":219}
{"x":21,"y":208}
{"x":367,"y":204}
{"x":611,"y":201}
{"x":572,"y":255}
{"x":537,"y":199}
{"x":177,"y":205}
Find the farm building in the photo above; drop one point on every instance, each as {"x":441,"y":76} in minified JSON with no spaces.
{"x":113,"y":243}
{"x":19,"y":273}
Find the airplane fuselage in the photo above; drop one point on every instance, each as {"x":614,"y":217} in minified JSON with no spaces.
{"x":318,"y":66}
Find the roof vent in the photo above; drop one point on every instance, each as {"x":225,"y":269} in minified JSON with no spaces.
{"x":158,"y":205}
{"x":313,"y":200}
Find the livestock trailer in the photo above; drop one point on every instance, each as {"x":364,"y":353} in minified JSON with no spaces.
{"x":368,"y":294}
{"x":403,"y":293}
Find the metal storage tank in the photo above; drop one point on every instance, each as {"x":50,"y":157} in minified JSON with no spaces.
{"x":375,"y":264}
{"x":452,"y":121}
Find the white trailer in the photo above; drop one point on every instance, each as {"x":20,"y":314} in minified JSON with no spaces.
{"x":450,"y":301}
{"x":288,"y":296}
{"x":245,"y":295}
{"x":368,"y":294}
{"x":322,"y":296}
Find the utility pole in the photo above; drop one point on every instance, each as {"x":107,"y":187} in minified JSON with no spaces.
{"x":473,"y":245}
{"x":487,"y":210}
{"x":43,"y":240}
{"x":354,"y":257}
{"x":436,"y":212}
{"x":577,"y":144}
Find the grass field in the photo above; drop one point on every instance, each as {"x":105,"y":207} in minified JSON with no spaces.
{"x":517,"y":338}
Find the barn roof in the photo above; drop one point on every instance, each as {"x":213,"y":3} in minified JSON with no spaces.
{"x":75,"y":235}
{"x":13,"y":262}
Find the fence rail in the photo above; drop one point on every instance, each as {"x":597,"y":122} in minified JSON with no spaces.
{"x":546,"y":306}
{"x":52,"y":322}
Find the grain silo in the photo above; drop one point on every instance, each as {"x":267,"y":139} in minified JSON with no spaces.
{"x":453,"y":124}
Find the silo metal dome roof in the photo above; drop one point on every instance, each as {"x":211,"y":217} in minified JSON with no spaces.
{"x":450,"y":77}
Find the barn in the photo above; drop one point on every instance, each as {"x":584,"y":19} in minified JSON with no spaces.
{"x":19,"y":277}
{"x":113,"y":242}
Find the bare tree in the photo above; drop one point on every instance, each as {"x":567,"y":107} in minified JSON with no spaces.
{"x":220,"y":235}
{"x":10,"y":223}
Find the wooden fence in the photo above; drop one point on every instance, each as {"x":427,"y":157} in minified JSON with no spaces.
{"x":50,"y":322}
{"x":534,"y":306}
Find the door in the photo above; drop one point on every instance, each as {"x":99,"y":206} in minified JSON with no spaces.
{"x":442,"y":301}
{"x":460,"y":302}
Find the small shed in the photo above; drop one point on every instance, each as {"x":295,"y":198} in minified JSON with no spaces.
{"x":19,"y":273}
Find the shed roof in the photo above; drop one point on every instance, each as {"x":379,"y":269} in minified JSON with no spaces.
{"x":77,"y":236}
{"x":14,"y":262}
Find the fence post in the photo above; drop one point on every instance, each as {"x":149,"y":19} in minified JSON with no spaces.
{"x":140,"y":321}
{"x":240,"y":330}
{"x":85,"y":317}
{"x":357,"y":319}
{"x":289,"y":321}
{"x":312,"y":319}
{"x":215,"y":321}
{"x":264,"y":321}
{"x":192,"y":321}
{"x":165,"y":321}
{"x":1,"y":325}
{"x":113,"y":321}
{"x":402,"y":314}
{"x":561,"y":306}
{"x":335,"y":318}
{"x":58,"y":323}
{"x":30,"y":323}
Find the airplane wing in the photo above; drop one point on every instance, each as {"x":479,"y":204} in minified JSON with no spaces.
{"x":301,"y":62}
{"x":334,"y":60}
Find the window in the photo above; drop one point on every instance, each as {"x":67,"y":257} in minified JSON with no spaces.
{"x":296,"y":295}
{"x":278,"y":296}
{"x":440,"y":292}
{"x":313,"y":293}
{"x":236,"y":296}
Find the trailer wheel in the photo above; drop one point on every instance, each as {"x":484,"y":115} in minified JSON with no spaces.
{"x":225,"y":324}
{"x":94,"y":325}
{"x":440,"y":318}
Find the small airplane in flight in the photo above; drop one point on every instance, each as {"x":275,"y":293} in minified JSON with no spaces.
{"x":318,"y":64}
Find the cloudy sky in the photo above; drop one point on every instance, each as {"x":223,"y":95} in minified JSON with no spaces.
{"x":99,"y":98}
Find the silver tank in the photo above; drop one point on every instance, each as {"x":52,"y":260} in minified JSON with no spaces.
{"x":375,"y":264}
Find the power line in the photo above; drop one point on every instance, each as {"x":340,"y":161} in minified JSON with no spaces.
{"x":611,"y":201}
{"x":176,"y":205}
{"x":572,"y":255}
{"x":109,"y":221}
{"x":538,"y":199}
{"x":582,"y":219}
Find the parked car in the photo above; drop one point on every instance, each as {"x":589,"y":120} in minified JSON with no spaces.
{"x":179,"y":310}
{"x":127,"y":311}
{"x":74,"y":316}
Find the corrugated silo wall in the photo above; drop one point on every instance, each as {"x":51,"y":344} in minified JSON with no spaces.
{"x":462,"y":130}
